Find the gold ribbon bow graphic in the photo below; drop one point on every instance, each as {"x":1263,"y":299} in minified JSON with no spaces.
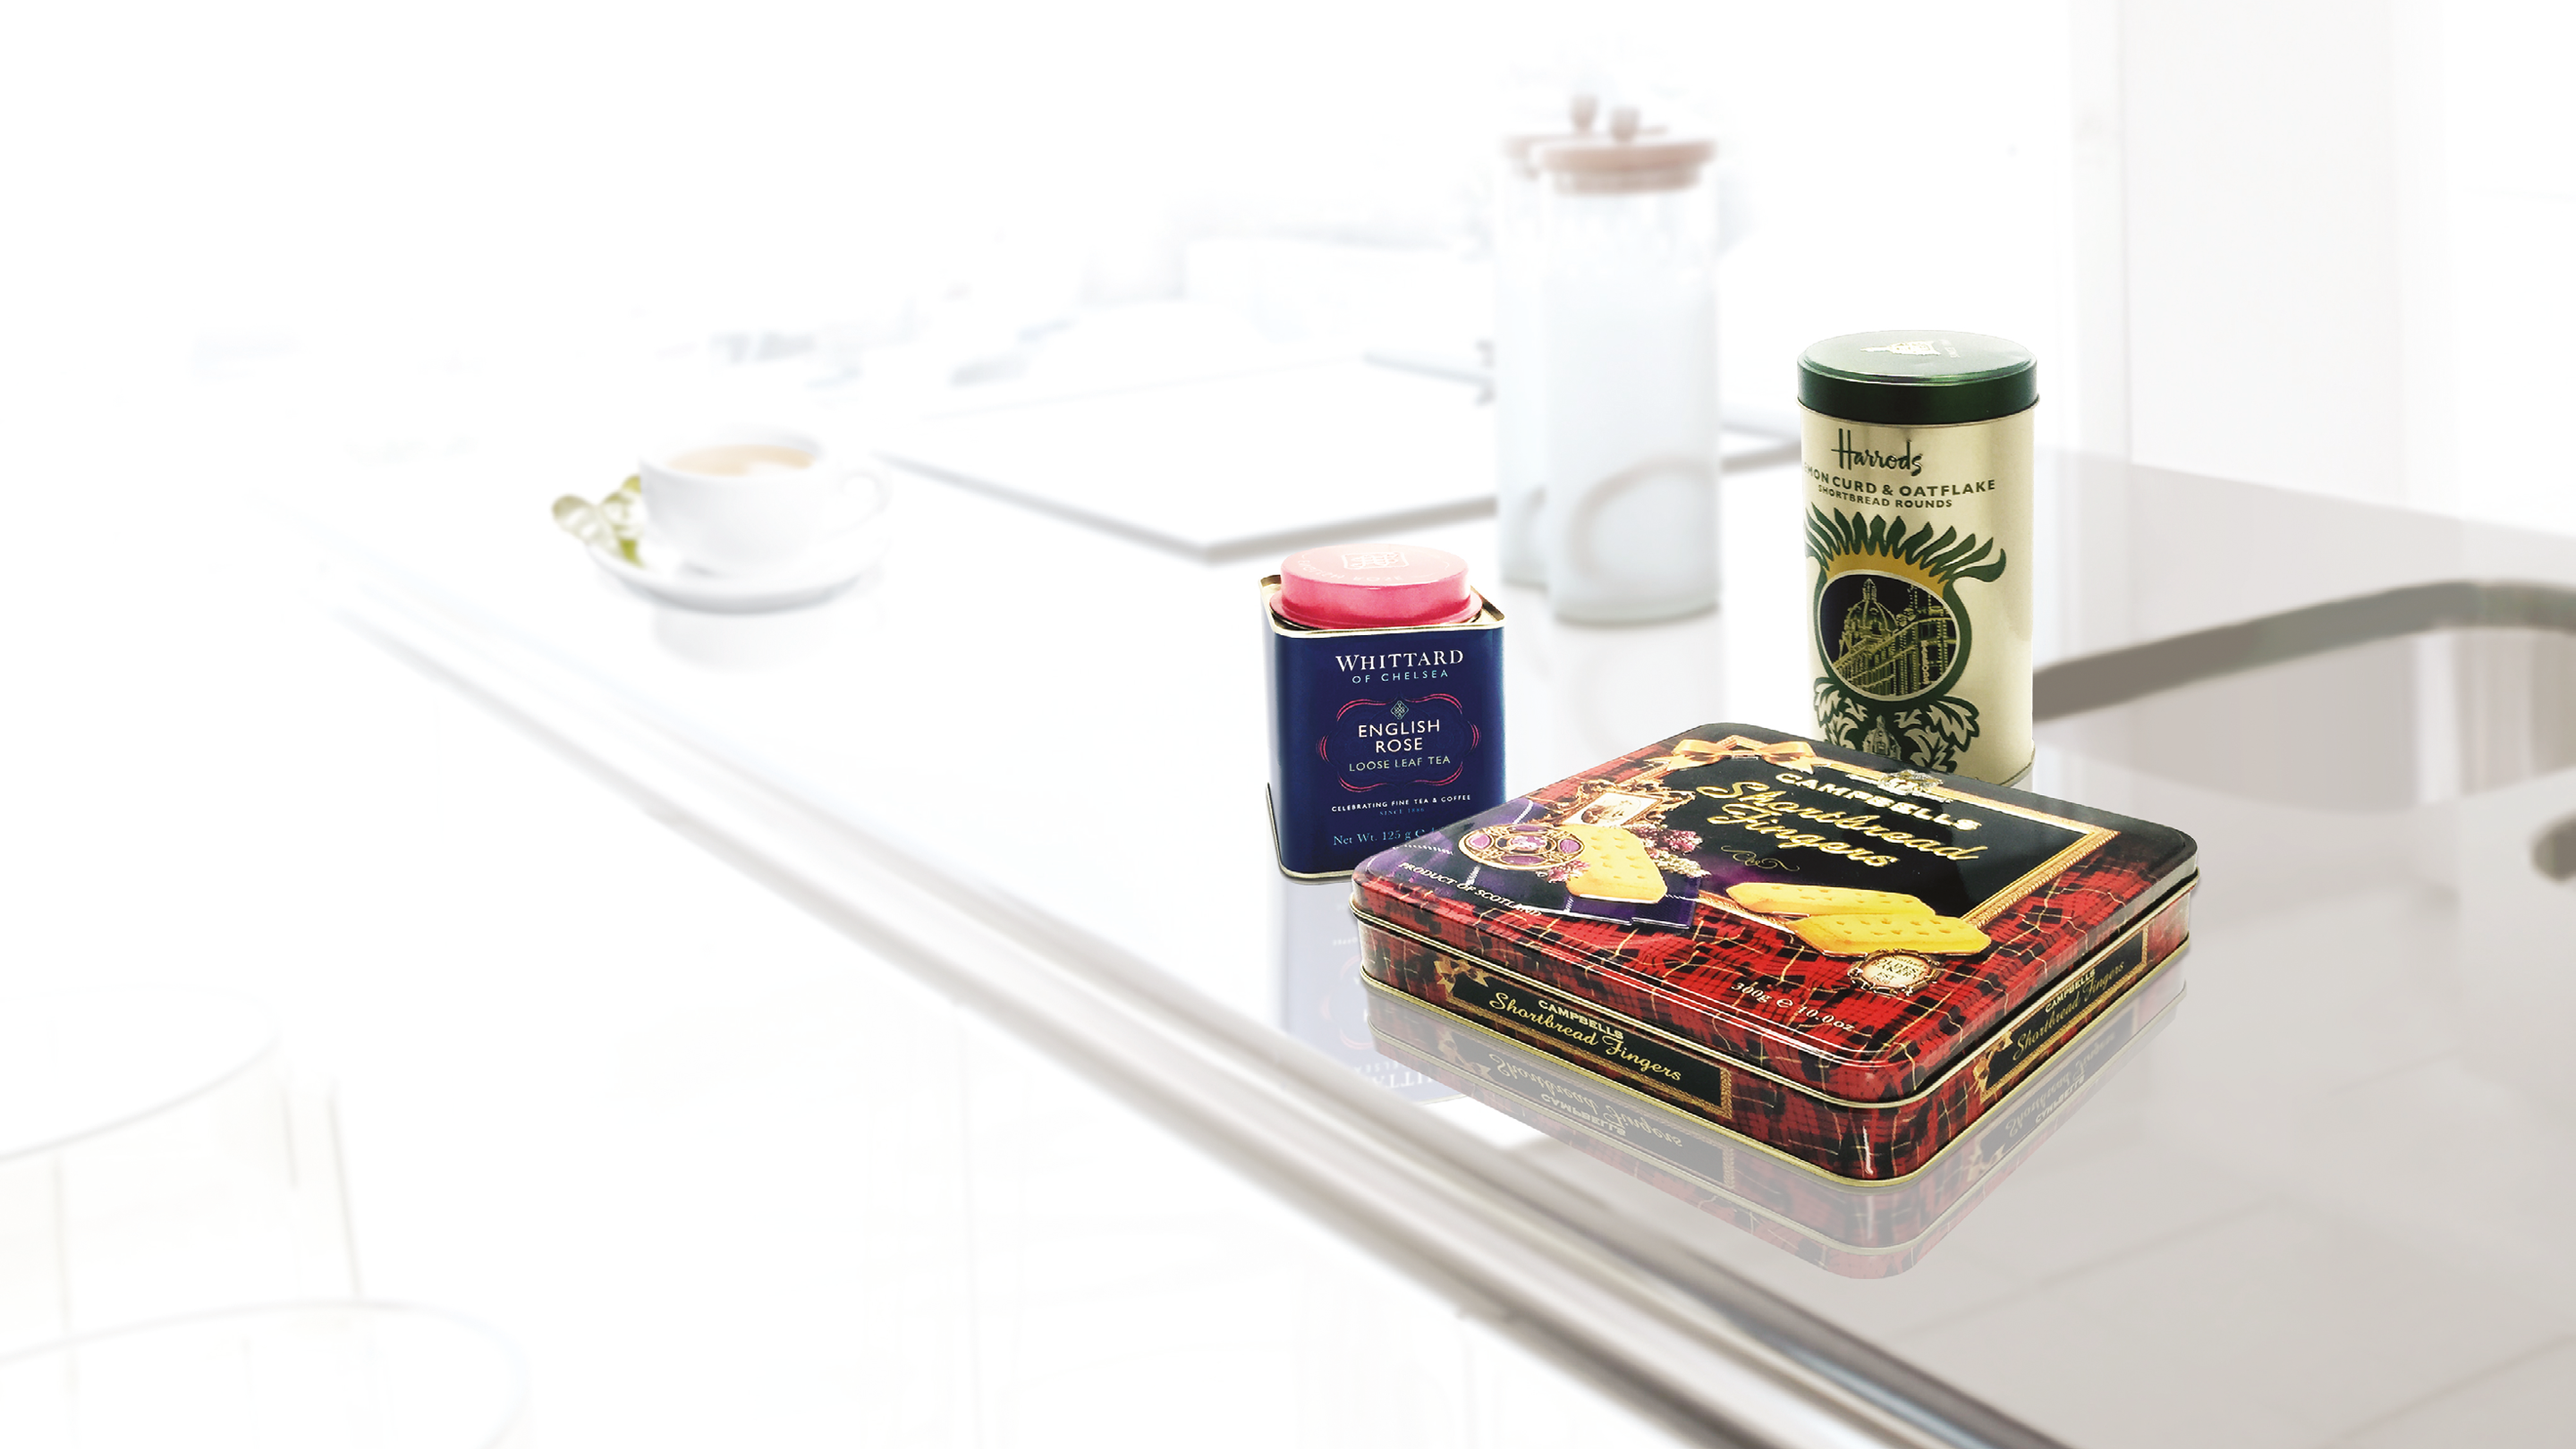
{"x":1794,"y":754}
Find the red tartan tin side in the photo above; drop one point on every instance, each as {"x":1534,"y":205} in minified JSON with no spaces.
{"x":2041,"y":885}
{"x":1868,"y":1141}
{"x":1854,"y":1230}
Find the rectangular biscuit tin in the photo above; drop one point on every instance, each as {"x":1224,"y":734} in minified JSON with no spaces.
{"x":1378,"y":734}
{"x":1863,"y":1062}
{"x":1853,"y":1229}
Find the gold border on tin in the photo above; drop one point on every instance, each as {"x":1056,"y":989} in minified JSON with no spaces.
{"x":1988,"y":1092}
{"x":1723,"y":1107}
{"x":2090,"y":838}
{"x":2047,"y":870}
{"x":1710,"y":1055}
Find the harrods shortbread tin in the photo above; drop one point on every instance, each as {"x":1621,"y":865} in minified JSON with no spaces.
{"x":1840,"y":957}
{"x":1917,"y":453}
{"x":1854,"y":1229}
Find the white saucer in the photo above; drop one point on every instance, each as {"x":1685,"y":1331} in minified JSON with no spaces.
{"x":839,"y":561}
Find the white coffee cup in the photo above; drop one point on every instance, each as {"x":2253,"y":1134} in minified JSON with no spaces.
{"x":748,"y":499}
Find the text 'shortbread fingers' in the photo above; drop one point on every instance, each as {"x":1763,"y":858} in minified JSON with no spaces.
{"x":1615,"y":865}
{"x":1773,"y":899}
{"x":1860,"y":935}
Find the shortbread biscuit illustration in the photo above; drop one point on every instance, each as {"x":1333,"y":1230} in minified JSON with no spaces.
{"x":1860,"y":935}
{"x":1615,"y":866}
{"x":1811,"y":900}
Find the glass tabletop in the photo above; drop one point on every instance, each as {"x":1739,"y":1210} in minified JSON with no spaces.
{"x":2306,"y":1190}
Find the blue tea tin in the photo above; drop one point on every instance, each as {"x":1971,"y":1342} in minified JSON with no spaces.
{"x":1379,"y":734}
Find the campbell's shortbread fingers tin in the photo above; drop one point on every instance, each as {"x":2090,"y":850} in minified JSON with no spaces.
{"x":1845,"y":959}
{"x":1386,"y":701}
{"x":1917,"y":453}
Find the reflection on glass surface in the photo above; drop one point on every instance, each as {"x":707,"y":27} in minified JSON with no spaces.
{"x":2323,"y":247}
{"x":307,"y":1376}
{"x":748,"y":643}
{"x":1857,"y":1230}
{"x":1321,"y":999}
{"x":2378,"y":964}
{"x":2554,"y":853}
{"x":156,"y":1159}
{"x":2407,"y":707}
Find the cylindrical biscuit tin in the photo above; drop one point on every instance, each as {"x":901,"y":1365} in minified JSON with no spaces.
{"x":1917,"y":451}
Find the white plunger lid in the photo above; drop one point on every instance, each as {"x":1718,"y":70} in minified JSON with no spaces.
{"x":1627,"y":160}
{"x":1580,"y":110}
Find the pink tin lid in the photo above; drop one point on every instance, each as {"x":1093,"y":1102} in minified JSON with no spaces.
{"x":1375,"y":586}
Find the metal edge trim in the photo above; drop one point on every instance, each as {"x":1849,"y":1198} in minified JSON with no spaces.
{"x":2089,"y":682}
{"x":1270,"y":805}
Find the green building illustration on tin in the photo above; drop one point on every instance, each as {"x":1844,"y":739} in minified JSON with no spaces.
{"x":1893,"y":653}
{"x":1892,"y":635}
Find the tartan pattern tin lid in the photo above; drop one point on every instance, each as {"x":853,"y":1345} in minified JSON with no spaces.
{"x":1979,"y":898}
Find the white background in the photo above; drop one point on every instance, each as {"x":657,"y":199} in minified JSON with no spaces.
{"x":2295,"y":241}
{"x":2314,"y":244}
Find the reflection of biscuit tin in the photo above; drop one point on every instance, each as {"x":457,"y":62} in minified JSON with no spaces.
{"x":1322,"y":999}
{"x":1386,"y":701}
{"x":1843,"y":1028}
{"x":1859,"y":1230}
{"x":1917,"y":448}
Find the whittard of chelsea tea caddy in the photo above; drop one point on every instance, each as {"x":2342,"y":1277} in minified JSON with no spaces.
{"x":1917,"y":452}
{"x":1386,"y":701}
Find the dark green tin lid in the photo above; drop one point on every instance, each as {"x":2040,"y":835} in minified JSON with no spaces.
{"x":1917,"y":377}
